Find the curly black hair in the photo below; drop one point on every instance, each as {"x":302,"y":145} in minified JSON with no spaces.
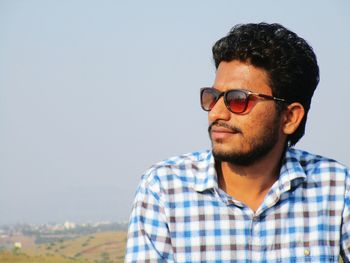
{"x":288,"y":59}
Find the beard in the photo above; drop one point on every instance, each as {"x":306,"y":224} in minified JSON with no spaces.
{"x":259,"y":146}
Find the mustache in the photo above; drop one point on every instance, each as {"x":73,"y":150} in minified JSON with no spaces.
{"x":225,"y":125}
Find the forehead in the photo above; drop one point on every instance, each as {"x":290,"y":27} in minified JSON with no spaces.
{"x":241,"y":75}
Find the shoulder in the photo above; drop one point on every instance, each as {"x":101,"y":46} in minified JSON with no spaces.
{"x":311,"y":161}
{"x":317,"y":167}
{"x":183,"y":170}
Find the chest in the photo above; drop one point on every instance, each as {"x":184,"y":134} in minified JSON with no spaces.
{"x":204,"y":228}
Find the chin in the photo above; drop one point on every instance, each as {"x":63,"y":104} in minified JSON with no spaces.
{"x":227,"y":149}
{"x":240,"y":157}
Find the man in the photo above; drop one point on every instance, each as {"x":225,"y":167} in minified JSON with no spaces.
{"x":252,"y":197}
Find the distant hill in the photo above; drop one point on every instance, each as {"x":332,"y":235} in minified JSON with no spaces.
{"x":8,"y":257}
{"x":106,"y":247}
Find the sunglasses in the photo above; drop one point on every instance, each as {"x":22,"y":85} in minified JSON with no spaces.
{"x":236,"y":100}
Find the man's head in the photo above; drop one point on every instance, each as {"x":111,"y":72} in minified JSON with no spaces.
{"x":290,"y":63}
{"x":245,"y":125}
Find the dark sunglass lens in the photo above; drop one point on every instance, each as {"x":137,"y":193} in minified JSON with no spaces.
{"x":237,"y":100}
{"x":208,"y":99}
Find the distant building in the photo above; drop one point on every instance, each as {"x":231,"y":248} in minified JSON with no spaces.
{"x":69,"y":225}
{"x":17,"y":245}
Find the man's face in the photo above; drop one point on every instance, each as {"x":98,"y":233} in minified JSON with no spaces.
{"x":244,"y":138}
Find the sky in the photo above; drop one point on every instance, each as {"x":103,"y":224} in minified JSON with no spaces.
{"x":92,"y":93}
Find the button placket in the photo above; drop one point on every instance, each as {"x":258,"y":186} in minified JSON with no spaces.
{"x":257,"y":242}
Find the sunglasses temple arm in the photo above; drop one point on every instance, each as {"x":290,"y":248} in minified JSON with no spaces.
{"x":272,"y":98}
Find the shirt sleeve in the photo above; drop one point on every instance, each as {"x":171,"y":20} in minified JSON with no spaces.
{"x":148,"y":233}
{"x":345,"y":235}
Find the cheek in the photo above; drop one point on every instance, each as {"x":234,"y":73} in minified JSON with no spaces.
{"x":259,"y":120}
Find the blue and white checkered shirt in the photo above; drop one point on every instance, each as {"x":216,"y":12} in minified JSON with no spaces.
{"x":181,"y":215}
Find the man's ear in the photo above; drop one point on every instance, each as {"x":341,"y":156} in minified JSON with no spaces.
{"x":293,"y":115}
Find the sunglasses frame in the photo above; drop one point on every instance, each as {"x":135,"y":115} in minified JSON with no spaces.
{"x":247,"y":94}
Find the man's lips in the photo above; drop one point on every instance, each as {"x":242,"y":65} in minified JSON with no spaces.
{"x":222,"y":130}
{"x":220,"y":133}
{"x":223,"y":127}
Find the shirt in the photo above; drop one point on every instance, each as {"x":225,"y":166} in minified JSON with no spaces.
{"x":181,"y":215}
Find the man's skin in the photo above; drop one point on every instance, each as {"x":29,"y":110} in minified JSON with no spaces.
{"x":250,"y":183}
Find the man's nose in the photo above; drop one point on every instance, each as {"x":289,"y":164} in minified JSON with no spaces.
{"x":219,"y":111}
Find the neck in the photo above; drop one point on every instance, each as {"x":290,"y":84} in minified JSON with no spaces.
{"x":250,"y":184}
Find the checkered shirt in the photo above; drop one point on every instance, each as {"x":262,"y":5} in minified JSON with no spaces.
{"x":181,"y":215}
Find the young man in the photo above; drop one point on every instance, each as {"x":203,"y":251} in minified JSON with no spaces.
{"x":252,"y":197}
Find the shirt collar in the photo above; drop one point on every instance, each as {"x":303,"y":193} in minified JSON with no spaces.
{"x":291,"y":173}
{"x":206,"y":177}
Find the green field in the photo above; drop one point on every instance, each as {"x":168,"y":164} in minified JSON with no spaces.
{"x":105,"y":247}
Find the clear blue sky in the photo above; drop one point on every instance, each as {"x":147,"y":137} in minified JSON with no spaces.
{"x":94,"y":92}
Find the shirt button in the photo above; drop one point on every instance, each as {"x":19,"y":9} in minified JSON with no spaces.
{"x":307,"y":252}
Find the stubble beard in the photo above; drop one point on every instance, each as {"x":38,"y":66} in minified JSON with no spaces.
{"x":258,"y":147}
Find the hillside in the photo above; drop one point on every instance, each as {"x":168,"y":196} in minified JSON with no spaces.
{"x":106,"y":247}
{"x":8,"y":257}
